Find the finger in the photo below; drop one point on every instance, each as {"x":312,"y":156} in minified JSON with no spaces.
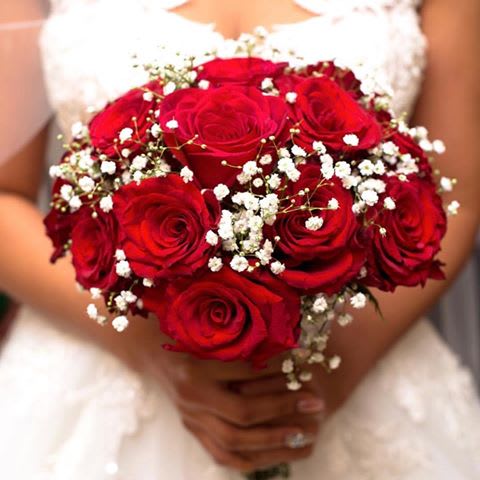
{"x":263,"y":386}
{"x":265,"y":459}
{"x":235,"y":439}
{"x":221,"y":456}
{"x":249,"y":411}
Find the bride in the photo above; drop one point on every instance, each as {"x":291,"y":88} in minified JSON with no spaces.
{"x":78,"y":402}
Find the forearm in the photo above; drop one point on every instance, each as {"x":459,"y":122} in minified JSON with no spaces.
{"x":369,"y":337}
{"x":27,"y":276}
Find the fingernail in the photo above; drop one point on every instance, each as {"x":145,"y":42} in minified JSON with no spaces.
{"x":298,"y":440}
{"x":311,"y":405}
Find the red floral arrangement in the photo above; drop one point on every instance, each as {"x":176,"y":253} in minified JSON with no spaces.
{"x":246,"y":204}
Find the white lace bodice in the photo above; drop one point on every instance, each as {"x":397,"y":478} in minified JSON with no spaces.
{"x":88,"y":45}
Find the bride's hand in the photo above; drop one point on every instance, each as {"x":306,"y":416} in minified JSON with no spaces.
{"x":239,"y":431}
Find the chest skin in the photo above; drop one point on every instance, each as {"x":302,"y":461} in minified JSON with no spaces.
{"x":233,"y":17}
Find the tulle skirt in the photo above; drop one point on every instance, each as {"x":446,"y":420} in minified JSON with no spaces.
{"x":69,"y":411}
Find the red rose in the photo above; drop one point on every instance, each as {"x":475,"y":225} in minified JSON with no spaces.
{"x":249,"y":71}
{"x":324,"y":260}
{"x":407,"y":145}
{"x":164,"y":223}
{"x":106,"y":126}
{"x":414,"y":229}
{"x":327,"y":113}
{"x":231,"y":121}
{"x":94,"y":242}
{"x":228,"y":316}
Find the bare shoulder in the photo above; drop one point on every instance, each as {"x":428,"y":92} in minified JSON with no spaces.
{"x":23,"y":10}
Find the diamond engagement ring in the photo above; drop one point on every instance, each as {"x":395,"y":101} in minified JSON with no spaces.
{"x":297,"y":440}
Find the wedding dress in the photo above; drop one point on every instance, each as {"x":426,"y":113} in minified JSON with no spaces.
{"x":69,"y":411}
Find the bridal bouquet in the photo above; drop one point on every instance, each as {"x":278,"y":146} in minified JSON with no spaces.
{"x":247,"y":204}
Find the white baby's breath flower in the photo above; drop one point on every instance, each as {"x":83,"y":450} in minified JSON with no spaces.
{"x":453,"y":207}
{"x":344,"y":319}
{"x":250,"y":168}
{"x":285,"y":164}
{"x":358,"y":207}
{"x":390,"y":149}
{"x":138,"y":176}
{"x":379,"y":168}
{"x":334,"y":362}
{"x":288,"y":366}
{"x":215,"y":264}
{"x":389,"y":203}
{"x":293,"y":174}
{"x":79,"y":130}
{"x":383,"y":231}
{"x":320,"y":305}
{"x":291,"y":97}
{"x":125,"y":134}
{"x":211,"y":238}
{"x":148,"y":283}
{"x":265,"y":159}
{"x":257,"y":182}
{"x":106,"y":204}
{"x":203,"y":84}
{"x":169,"y":88}
{"x":446,"y":184}
{"x":319,"y":147}
{"x":267,"y":83}
{"x":120,"y":323}
{"x":438,"y":147}
{"x":92,"y":311}
{"x":186,"y":174}
{"x":66,"y":192}
{"x":238,"y":263}
{"x":342,"y":169}
{"x":426,"y":145}
{"x":55,"y":171}
{"x":75,"y":203}
{"x":277,"y":268}
{"x":359,"y":300}
{"x":139,"y":162}
{"x":242,"y":178}
{"x":370,"y":197}
{"x":87,"y":184}
{"x":314,"y":223}
{"x":294,"y":385}
{"x":120,"y":255}
{"x":351,"y":140}
{"x":95,"y":293}
{"x":85,"y":160}
{"x":126,"y":152}
{"x":108,"y":167}
{"x":155,"y":130}
{"x":221,"y":191}
{"x":148,"y":96}
{"x":333,"y":204}
{"x":123,"y":269}
{"x":274,"y":181}
{"x":350,"y":181}
{"x":129,"y":296}
{"x":120,"y":303}
{"x":366,"y":168}
{"x":298,"y":151}
{"x":172,"y":124}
